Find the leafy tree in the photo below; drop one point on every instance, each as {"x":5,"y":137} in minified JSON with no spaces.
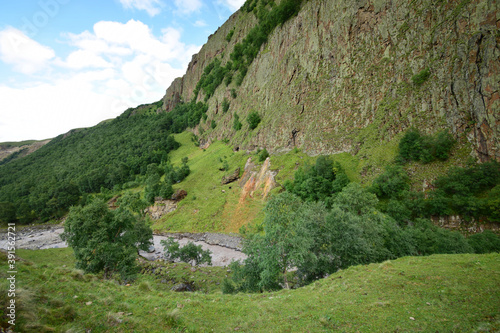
{"x":356,"y":200}
{"x":189,"y":253}
{"x":409,"y":146}
{"x":316,"y":241}
{"x":319,"y":182}
{"x":152,"y":187}
{"x":7,"y":212}
{"x":283,"y":245}
{"x":133,"y":201}
{"x":106,"y":240}
{"x":324,"y":168}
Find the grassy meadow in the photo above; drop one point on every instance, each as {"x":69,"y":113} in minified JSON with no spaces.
{"x":439,"y":293}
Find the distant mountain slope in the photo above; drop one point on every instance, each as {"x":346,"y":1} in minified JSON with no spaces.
{"x":350,"y":76}
{"x":13,"y":150}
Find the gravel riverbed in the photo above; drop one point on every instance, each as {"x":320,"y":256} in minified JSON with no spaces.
{"x":224,"y":248}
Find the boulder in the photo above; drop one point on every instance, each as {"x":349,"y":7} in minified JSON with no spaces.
{"x":179,"y":195}
{"x":232,"y":177}
{"x":182,"y":287}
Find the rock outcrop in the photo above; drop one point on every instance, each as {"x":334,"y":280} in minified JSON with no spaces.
{"x":231,"y":177}
{"x":160,"y":208}
{"x":341,"y":76}
{"x":257,"y":180}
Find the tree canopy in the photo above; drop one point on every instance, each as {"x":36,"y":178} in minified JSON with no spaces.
{"x":106,"y":240}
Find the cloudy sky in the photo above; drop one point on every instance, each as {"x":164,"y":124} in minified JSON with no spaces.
{"x":72,"y":63}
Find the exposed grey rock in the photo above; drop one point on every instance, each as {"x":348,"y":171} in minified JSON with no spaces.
{"x":182,"y":287}
{"x":326,"y":82}
{"x":232,"y":177}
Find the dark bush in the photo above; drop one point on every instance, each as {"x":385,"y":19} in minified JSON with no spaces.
{"x":230,"y":35}
{"x":189,"y":253}
{"x":392,"y":183}
{"x":225,"y":105}
{"x":253,"y":120}
{"x":421,"y":77}
{"x":263,"y":155}
{"x":416,"y":147}
{"x":318,"y":182}
{"x":236,"y":122}
{"x":484,"y":242}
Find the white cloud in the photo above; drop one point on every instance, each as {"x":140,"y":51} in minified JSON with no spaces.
{"x":45,"y":111}
{"x":233,"y":5}
{"x":83,"y":59}
{"x":152,"y":7}
{"x":26,"y":55}
{"x":200,"y":23}
{"x":188,"y":6}
{"x":114,"y":67}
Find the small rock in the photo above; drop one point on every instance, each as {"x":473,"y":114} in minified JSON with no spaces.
{"x":88,"y":303}
{"x":412,"y":318}
{"x":181,"y":287}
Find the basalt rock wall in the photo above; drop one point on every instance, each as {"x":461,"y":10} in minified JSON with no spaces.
{"x":343,"y":75}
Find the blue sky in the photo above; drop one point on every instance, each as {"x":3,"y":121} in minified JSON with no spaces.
{"x":72,"y":63}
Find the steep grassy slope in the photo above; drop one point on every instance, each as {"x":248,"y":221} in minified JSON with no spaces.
{"x":443,"y":293}
{"x":210,"y":206}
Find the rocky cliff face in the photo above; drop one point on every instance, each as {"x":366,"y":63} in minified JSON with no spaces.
{"x":344,"y":75}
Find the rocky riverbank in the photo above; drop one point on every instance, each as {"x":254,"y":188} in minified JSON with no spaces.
{"x":224,"y":248}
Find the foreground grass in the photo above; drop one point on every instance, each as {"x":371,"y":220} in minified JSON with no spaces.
{"x":440,"y":293}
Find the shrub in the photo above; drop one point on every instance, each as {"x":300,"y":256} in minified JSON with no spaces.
{"x":421,"y":77}
{"x":416,"y":147}
{"x":485,"y":242}
{"x":311,"y":185}
{"x":429,"y":239}
{"x":228,"y":287}
{"x":230,"y":35}
{"x":236,"y":122}
{"x":189,"y":253}
{"x":409,"y":146}
{"x":391,"y":183}
{"x":213,"y":124}
{"x":263,"y":155}
{"x":225,"y":105}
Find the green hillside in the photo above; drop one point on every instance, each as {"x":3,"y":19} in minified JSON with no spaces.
{"x":352,"y":145}
{"x":440,"y":293}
